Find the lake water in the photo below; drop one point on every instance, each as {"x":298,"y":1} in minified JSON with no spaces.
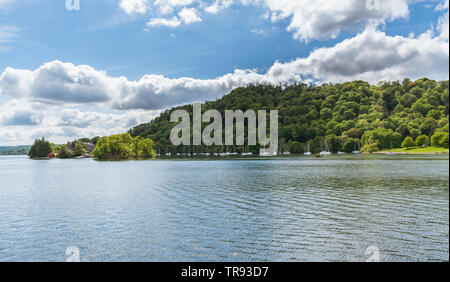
{"x":283,"y":209}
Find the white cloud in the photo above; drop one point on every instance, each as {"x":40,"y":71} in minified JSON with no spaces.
{"x":22,"y":120}
{"x":443,"y":26}
{"x":189,"y":15}
{"x":171,"y":22}
{"x":317,"y":19}
{"x":371,"y":55}
{"x":308,"y":19}
{"x":134,"y":6}
{"x":442,"y":6}
{"x":217,"y":6}
{"x":56,"y":82}
{"x":174,"y":3}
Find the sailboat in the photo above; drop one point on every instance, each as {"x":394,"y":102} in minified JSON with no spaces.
{"x":359,"y":149}
{"x":327,"y":150}
{"x":224,"y":153}
{"x":308,"y":150}
{"x":286,"y":150}
{"x":247,"y":152}
{"x":391,"y":153}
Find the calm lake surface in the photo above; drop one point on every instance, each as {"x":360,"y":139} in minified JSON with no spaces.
{"x":283,"y":209}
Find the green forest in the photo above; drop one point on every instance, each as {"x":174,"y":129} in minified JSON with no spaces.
{"x":348,"y":115}
{"x":14,"y":150}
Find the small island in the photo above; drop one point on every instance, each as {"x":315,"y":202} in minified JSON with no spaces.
{"x":115,"y":147}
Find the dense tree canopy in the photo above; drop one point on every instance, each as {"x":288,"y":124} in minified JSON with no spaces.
{"x":40,"y":149}
{"x":124,"y":147}
{"x":379,"y":116}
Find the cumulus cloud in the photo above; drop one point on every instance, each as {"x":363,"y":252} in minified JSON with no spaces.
{"x":134,"y":6}
{"x":22,"y":120}
{"x":58,"y":82}
{"x":217,"y":6}
{"x":443,"y":26}
{"x":371,"y":55}
{"x":185,"y":16}
{"x":316,"y":19}
{"x":11,"y":118}
{"x":76,"y":118}
{"x":308,"y":19}
{"x":189,"y":16}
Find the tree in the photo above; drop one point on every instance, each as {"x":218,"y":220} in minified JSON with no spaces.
{"x":40,"y":149}
{"x":444,"y":141}
{"x":437,"y":137}
{"x":63,"y":153}
{"x":295,"y":147}
{"x":422,"y":140}
{"x":350,"y":145}
{"x":370,"y":148}
{"x":79,"y":149}
{"x":408,"y":142}
{"x":123,"y":147}
{"x":383,"y":114}
{"x":388,"y":98}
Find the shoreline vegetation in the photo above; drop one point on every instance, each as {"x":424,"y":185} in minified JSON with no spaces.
{"x":408,"y":117}
{"x":14,"y":150}
{"x":114,"y":148}
{"x":331,"y":118}
{"x":430,"y":150}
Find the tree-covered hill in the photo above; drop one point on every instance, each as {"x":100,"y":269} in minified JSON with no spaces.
{"x":14,"y":150}
{"x":378,"y":116}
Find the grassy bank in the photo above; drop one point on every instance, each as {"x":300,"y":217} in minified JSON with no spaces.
{"x":418,"y":150}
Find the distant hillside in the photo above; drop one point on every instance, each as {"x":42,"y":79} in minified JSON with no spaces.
{"x":346,"y":114}
{"x":14,"y":150}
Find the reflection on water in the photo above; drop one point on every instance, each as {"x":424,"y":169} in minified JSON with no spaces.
{"x":286,"y":209}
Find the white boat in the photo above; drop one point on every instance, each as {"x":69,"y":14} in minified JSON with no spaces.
{"x":268,"y":154}
{"x":308,"y":151}
{"x":286,"y":150}
{"x":247,"y":153}
{"x":341,"y":153}
{"x":357,"y":152}
{"x":327,"y":150}
{"x":390,"y":153}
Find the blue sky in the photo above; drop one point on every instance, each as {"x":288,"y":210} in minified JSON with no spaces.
{"x":115,"y":63}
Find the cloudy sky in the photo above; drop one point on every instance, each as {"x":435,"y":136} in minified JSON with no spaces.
{"x":68,"y":73}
